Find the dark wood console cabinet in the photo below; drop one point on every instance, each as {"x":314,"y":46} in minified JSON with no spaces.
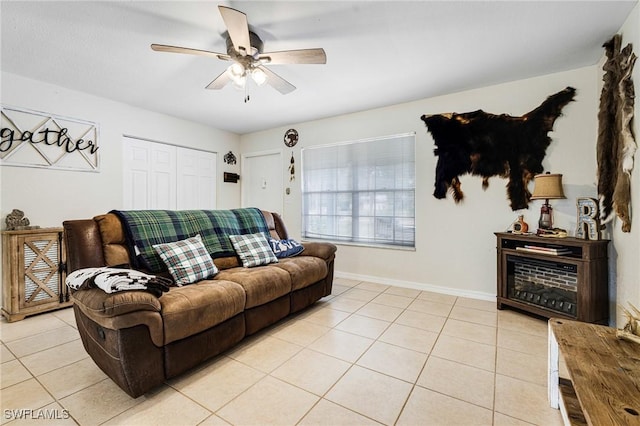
{"x":553,"y":277}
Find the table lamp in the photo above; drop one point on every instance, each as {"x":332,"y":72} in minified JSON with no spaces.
{"x":547,"y":186}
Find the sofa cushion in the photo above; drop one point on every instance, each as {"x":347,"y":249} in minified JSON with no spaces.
{"x":303,"y":270}
{"x":226,"y":262}
{"x":188,"y":260}
{"x":253,"y":249}
{"x":261,"y":284}
{"x":188,"y":310}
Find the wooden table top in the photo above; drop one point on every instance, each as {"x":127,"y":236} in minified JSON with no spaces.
{"x":604,"y":370}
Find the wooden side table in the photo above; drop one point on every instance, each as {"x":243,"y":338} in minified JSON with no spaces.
{"x":32,"y":272}
{"x":603,"y":387}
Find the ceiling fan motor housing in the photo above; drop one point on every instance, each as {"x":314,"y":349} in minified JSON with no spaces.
{"x":256,"y":45}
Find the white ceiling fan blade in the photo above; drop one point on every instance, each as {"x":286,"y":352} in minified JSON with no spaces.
{"x":278,"y":83}
{"x":238,"y":29}
{"x":219,"y":82}
{"x":302,"y":56}
{"x":188,"y":51}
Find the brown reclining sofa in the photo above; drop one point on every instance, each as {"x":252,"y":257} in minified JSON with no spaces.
{"x":140,"y":340}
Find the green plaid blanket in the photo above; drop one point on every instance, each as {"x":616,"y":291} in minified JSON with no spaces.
{"x":144,"y":228}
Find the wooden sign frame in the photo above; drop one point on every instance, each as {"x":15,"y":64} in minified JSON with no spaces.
{"x":37,"y":139}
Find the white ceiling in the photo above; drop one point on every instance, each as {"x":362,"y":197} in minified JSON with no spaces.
{"x":378,"y":52}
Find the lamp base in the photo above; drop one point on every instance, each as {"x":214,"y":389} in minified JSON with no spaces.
{"x":546,"y":216}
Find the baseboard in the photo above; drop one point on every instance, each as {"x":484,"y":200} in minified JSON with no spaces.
{"x":480,"y":295}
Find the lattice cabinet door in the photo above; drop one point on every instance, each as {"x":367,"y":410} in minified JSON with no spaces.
{"x":32,"y":272}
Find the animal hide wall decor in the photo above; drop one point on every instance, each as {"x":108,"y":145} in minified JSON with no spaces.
{"x":616,"y":145}
{"x":487,"y":145}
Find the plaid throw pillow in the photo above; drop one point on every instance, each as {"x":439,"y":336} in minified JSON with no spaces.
{"x":253,"y":249}
{"x":188,"y":260}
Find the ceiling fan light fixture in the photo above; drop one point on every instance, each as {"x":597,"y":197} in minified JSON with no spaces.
{"x":258,"y":76}
{"x":236,"y":71}
{"x":240,"y":82}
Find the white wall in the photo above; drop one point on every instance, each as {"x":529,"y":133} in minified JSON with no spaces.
{"x":624,"y":252}
{"x":455,"y":246}
{"x":50,"y":196}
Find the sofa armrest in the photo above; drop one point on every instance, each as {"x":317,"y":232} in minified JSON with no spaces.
{"x":98,"y":304}
{"x":124,"y":309}
{"x":324,"y":251}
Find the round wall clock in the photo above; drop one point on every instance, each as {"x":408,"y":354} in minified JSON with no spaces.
{"x":291,"y":137}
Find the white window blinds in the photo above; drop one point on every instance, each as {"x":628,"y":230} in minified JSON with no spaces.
{"x":360,"y":192}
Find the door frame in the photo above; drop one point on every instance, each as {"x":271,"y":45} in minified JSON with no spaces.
{"x":243,"y":187}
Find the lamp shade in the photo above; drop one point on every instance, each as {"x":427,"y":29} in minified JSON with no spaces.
{"x":547,"y":186}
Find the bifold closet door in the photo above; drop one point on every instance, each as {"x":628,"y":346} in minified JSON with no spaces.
{"x":149,"y":175}
{"x":196,"y":179}
{"x":162,"y":176}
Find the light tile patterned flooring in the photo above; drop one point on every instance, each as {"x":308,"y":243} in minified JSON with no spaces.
{"x":369,"y":354}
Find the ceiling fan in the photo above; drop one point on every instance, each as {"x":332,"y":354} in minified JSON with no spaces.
{"x":245,"y":50}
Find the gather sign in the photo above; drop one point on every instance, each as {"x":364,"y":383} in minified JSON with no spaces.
{"x":59,"y":137}
{"x":36,"y":139}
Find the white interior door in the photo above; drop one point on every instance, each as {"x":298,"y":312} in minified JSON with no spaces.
{"x":162,"y":177}
{"x":136,"y":166}
{"x":149,"y":175}
{"x":262,"y":181}
{"x":196,"y":179}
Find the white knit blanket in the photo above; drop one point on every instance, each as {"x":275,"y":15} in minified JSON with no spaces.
{"x":110,"y":279}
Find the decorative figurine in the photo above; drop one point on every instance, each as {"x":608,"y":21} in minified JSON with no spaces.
{"x":520,"y":226}
{"x":16,"y":221}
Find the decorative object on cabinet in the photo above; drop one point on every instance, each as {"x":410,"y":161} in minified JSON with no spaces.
{"x":547,"y":187}
{"x":230,"y":158}
{"x":520,"y":226}
{"x":588,"y":219}
{"x":32,"y":272}
{"x":37,"y":139}
{"x":554,"y":277}
{"x":631,"y":330}
{"x":16,"y":220}
{"x":616,"y":146}
{"x":484,"y":144}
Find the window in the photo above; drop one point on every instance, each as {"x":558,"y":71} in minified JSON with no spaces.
{"x":360,"y":192}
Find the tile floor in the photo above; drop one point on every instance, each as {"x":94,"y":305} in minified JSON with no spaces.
{"x":369,"y":354}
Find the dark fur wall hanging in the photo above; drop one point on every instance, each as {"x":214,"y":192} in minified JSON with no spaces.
{"x":487,"y":145}
{"x":616,"y":145}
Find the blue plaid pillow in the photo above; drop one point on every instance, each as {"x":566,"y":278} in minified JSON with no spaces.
{"x":253,"y":249}
{"x":188,"y":260}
